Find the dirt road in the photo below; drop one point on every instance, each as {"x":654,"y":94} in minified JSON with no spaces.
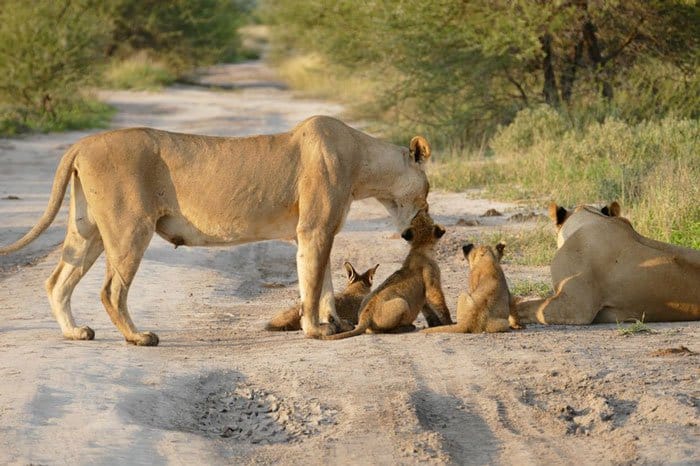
{"x":221,"y":390}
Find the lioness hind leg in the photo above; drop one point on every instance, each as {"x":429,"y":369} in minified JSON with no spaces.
{"x":81,"y":247}
{"x":77,"y":257}
{"x":123,"y":258}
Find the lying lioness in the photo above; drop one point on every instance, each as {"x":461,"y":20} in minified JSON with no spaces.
{"x":487,"y":305}
{"x":347,"y":303}
{"x":395,"y":304}
{"x":195,"y":190}
{"x":604,"y":271}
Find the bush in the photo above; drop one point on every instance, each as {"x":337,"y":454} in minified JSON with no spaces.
{"x":651,"y":167}
{"x":182,"y":33}
{"x":49,"y":50}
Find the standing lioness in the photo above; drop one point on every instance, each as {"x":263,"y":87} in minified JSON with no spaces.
{"x":195,"y":190}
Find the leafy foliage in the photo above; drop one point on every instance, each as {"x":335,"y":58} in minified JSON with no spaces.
{"x":48,"y":50}
{"x":458,"y":70}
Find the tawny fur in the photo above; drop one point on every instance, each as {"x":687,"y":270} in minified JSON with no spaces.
{"x":486,"y":307}
{"x":128,"y":184}
{"x":347,"y":303}
{"x":395,"y":304}
{"x":604,"y":271}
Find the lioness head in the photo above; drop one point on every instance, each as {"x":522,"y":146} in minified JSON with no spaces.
{"x":568,"y":221}
{"x":410,"y":189}
{"x":423,"y":231}
{"x":476,"y":254}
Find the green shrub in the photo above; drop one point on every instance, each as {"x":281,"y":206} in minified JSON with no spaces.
{"x":182,"y":33}
{"x":651,"y":167}
{"x":49,"y":51}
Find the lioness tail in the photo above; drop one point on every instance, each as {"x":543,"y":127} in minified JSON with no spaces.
{"x":58,"y":190}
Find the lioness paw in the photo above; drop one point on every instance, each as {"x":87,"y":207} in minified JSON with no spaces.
{"x":144,"y":339}
{"x":81,"y":333}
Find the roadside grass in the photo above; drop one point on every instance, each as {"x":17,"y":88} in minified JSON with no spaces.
{"x":138,"y":72}
{"x":71,"y":115}
{"x":637,"y":327}
{"x":531,"y":246}
{"x":652,"y":168}
{"x":315,"y":78}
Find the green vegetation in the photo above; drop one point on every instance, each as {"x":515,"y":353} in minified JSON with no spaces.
{"x":573,"y":102}
{"x":532,"y":246}
{"x":54,"y":52}
{"x":637,"y":327}
{"x":139,"y":72}
{"x":531,"y":288}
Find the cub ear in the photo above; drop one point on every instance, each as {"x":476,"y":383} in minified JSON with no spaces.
{"x":557,"y":214}
{"x":500,"y":247}
{"x":350,"y":270}
{"x":438,"y":231}
{"x":407,"y":234}
{"x":466,"y":249}
{"x":419,"y":149}
{"x":370,"y":274}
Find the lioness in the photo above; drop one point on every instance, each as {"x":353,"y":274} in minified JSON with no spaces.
{"x":604,"y":271}
{"x":486,"y":307}
{"x":395,"y":304}
{"x":196,"y":190}
{"x":347,"y":303}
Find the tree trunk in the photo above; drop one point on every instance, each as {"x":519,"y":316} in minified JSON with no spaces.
{"x":596,"y":57}
{"x":549,"y":89}
{"x":568,"y":74}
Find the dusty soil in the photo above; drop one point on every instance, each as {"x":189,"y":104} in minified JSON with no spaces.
{"x":220,"y":390}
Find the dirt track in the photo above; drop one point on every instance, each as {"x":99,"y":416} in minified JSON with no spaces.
{"x":221,"y":390}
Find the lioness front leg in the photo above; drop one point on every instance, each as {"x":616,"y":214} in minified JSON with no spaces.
{"x":327,"y":311}
{"x":312,"y":261}
{"x":123,"y":258}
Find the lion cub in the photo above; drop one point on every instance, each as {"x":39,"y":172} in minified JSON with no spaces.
{"x":395,"y":304}
{"x":347,"y":303}
{"x":487,"y":305}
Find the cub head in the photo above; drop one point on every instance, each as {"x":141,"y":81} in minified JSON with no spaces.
{"x":423,"y":231}
{"x":363,"y":280}
{"x":479,"y":255}
{"x":407,"y":187}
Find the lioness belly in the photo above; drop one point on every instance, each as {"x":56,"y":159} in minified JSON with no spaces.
{"x":181,"y":232}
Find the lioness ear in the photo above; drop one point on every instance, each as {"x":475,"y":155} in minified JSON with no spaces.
{"x":420,"y":149}
{"x":467,"y":248}
{"x":557,"y":214}
{"x":438,"y":231}
{"x":350,"y":270}
{"x":500,"y":247}
{"x":614,"y":209}
{"x":407,"y":234}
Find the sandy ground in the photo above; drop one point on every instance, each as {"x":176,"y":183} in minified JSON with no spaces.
{"x":221,"y":390}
